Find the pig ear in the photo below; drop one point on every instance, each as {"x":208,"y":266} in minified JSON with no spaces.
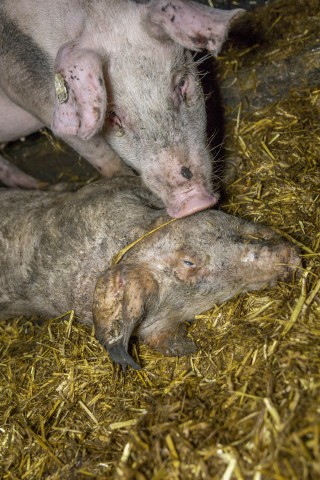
{"x":192,"y":25}
{"x":80,"y":93}
{"x":121,"y":300}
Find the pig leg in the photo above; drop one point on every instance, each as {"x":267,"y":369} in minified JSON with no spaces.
{"x":95,"y":150}
{"x":15,"y":121}
{"x":101,"y":156}
{"x":12,"y":176}
{"x":171,"y":342}
{"x":81,"y":98}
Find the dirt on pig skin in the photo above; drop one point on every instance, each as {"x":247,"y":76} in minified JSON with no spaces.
{"x":57,"y":251}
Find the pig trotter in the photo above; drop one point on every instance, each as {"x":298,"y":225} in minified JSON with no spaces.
{"x":119,"y":354}
{"x":177,"y":344}
{"x":180,"y":344}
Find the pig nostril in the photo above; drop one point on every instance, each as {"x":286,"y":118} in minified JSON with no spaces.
{"x":186,"y":173}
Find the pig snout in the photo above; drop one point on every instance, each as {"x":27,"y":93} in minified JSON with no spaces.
{"x":266,"y":264}
{"x":191,"y":202}
{"x":289,"y":262}
{"x":182,"y":181}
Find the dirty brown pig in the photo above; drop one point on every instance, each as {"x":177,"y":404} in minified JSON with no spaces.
{"x":57,"y":250}
{"x":116,"y":80}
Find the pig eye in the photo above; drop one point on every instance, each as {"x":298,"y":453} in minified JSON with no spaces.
{"x":182,"y":83}
{"x":188,"y":263}
{"x":115,"y":122}
{"x":114,"y":119}
{"x":182,"y":88}
{"x":187,"y":90}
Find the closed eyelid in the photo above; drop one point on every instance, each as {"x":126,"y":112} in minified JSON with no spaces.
{"x":188,"y":263}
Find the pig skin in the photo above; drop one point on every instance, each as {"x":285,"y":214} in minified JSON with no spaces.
{"x":57,"y":250}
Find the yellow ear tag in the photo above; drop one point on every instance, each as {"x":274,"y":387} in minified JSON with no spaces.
{"x":118,"y":257}
{"x":60,"y":86}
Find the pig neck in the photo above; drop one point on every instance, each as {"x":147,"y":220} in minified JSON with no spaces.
{"x":118,"y":257}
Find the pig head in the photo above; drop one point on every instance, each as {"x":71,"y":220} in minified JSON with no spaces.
{"x":177,"y":272}
{"x":126,"y":87}
{"x":156,"y":118}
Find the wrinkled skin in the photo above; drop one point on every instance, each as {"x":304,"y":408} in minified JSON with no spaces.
{"x":128,"y":93}
{"x":57,"y":250}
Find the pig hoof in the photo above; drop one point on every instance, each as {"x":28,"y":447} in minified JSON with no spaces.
{"x":119,"y":354}
{"x":176,"y":345}
{"x":181,"y":347}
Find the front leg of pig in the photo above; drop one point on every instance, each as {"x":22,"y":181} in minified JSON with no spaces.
{"x":170,"y":341}
{"x":12,"y":176}
{"x":101,"y":156}
{"x":96,"y":151}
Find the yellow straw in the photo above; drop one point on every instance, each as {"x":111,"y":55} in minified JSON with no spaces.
{"x":116,"y":258}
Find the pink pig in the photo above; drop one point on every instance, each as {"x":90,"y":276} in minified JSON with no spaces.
{"x":116,"y":80}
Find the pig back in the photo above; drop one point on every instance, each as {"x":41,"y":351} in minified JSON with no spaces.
{"x":54,"y":246}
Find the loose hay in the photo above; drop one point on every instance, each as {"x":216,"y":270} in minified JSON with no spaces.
{"x":248,"y":404}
